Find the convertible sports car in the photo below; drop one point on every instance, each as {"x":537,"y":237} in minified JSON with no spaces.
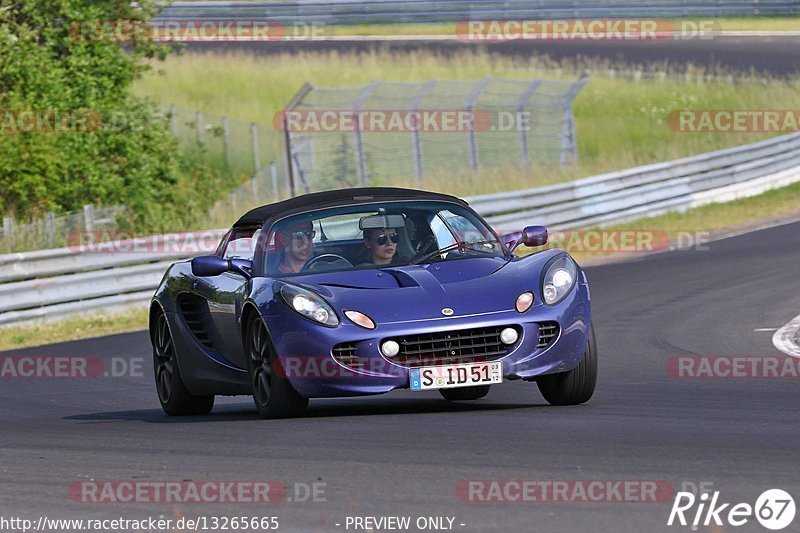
{"x":364,"y":291}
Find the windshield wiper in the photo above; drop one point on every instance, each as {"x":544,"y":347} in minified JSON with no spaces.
{"x":461,"y":246}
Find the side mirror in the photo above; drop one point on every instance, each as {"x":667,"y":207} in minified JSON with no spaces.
{"x":534,"y":236}
{"x":211,"y":265}
{"x":530,"y":236}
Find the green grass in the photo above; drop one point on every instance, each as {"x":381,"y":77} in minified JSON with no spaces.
{"x":73,"y":328}
{"x":620,"y":122}
{"x":727,"y":216}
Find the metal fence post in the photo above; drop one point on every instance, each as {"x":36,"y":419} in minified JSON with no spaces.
{"x":199,"y":119}
{"x":173,"y":119}
{"x":289,"y":159}
{"x":361,"y":160}
{"x":416,"y":147}
{"x":8,"y":230}
{"x":273,"y":174}
{"x":254,"y":189}
{"x":227,"y":141}
{"x":470,"y":104}
{"x":256,"y":154}
{"x":523,"y":124}
{"x":569,"y":147}
{"x":88,"y":218}
{"x":50,"y":227}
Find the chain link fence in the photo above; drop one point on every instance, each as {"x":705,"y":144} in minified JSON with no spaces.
{"x":379,"y":133}
{"x":383,"y":133}
{"x":57,"y":230}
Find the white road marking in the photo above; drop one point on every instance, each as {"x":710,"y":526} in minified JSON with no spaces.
{"x":786,"y":338}
{"x":766,"y":329}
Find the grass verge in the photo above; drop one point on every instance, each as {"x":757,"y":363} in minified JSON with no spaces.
{"x":73,"y":328}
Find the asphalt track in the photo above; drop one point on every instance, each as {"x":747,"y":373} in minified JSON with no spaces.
{"x":405,"y":453}
{"x":778,"y":56}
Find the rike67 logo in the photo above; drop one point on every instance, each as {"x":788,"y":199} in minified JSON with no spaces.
{"x":774,"y":509}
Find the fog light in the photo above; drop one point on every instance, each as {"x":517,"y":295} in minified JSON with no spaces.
{"x":390,"y":348}
{"x":524,"y":301}
{"x":509,"y":336}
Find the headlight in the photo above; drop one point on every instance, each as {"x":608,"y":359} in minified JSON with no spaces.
{"x":308,"y":304}
{"x":559,"y":280}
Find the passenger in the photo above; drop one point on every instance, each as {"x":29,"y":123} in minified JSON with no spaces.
{"x":382,"y":246}
{"x":296,"y":245}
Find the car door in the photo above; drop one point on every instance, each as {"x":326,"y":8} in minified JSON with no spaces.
{"x":224,"y":296}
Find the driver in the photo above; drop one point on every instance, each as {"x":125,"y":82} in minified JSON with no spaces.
{"x":296,"y":243}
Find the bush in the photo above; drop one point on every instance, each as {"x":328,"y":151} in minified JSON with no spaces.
{"x":57,"y":75}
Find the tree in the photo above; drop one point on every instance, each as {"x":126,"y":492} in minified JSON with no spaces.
{"x":71,"y":132}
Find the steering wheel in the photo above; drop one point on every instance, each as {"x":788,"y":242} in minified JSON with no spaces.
{"x":328,"y":259}
{"x":426,"y":247}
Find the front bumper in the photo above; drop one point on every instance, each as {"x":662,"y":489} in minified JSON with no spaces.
{"x":305,"y":349}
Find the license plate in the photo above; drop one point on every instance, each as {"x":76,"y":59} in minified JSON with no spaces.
{"x":451,"y":376}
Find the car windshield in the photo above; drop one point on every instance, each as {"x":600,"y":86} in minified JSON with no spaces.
{"x":377,"y":235}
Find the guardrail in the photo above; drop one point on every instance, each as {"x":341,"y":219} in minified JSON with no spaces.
{"x":63,"y":281}
{"x":342,"y":12}
{"x":647,"y":190}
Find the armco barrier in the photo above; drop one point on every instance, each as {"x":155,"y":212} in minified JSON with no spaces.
{"x":647,"y":190}
{"x":65,"y":281}
{"x":340,"y":12}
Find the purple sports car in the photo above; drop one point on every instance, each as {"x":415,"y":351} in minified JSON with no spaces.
{"x":364,"y":291}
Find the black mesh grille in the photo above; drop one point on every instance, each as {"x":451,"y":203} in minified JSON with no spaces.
{"x":345,"y":354}
{"x":451,"y":347}
{"x":194,"y":314}
{"x":548,"y":331}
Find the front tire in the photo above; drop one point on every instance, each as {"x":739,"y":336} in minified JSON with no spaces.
{"x":272,"y":392}
{"x":462,"y":394}
{"x":173,"y":395}
{"x":577,"y":385}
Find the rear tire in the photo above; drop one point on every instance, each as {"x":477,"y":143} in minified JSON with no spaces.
{"x":272,"y":392}
{"x":462,"y":394}
{"x":173,"y":395}
{"x":577,"y":385}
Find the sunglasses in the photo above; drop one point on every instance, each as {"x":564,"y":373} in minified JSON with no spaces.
{"x":298,"y":235}
{"x":383,"y":239}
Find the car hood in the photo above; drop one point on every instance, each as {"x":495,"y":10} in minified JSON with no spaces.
{"x":399,"y":294}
